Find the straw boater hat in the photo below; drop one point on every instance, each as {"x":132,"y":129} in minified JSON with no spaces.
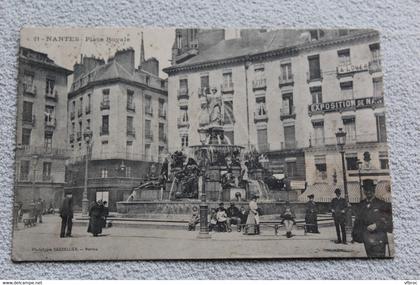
{"x":337,"y":191}
{"x":311,"y":196}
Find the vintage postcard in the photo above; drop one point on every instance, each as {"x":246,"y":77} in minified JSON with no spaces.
{"x":138,"y":143}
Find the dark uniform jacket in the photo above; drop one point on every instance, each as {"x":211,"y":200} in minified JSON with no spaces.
{"x":338,"y":205}
{"x":372,"y":212}
{"x":233,"y":212}
{"x":66,"y":209}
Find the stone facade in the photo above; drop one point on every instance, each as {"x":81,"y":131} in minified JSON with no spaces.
{"x":125,"y":108}
{"x":273,"y":85}
{"x":41,"y":132}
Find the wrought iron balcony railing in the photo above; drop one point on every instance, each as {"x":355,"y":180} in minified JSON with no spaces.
{"x":259,"y":84}
{"x":287,"y":113}
{"x":286,"y":80}
{"x":105,"y":105}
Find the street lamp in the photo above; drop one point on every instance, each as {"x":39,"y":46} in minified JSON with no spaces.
{"x":88,"y":140}
{"x":359,"y":168}
{"x":341,"y":141}
{"x":204,"y":209}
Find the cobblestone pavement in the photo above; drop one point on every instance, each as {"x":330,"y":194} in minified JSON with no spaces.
{"x":42,"y":242}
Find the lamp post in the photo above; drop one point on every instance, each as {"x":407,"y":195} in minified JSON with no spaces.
{"x":204,"y":209}
{"x":85,"y":201}
{"x":35,"y":159}
{"x":359,"y":168}
{"x":341,"y":141}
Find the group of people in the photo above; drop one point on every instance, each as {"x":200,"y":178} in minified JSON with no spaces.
{"x":221,"y":219}
{"x":373,"y":220}
{"x":98,"y":213}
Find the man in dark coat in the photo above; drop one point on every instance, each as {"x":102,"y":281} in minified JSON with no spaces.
{"x":373,"y":221}
{"x":338,"y":209}
{"x":234,"y":216}
{"x":311,"y":215}
{"x":66,"y":214}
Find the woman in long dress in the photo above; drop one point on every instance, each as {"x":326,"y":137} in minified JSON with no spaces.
{"x":253,"y":220}
{"x":95,"y":221}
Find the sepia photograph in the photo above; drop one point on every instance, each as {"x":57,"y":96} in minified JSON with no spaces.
{"x":190,"y":143}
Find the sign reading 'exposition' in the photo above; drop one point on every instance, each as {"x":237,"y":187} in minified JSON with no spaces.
{"x":343,"y":105}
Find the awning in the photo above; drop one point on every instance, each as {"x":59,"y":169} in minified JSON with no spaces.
{"x":324,"y":192}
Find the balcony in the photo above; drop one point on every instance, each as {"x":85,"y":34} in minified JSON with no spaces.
{"x":131,"y":107}
{"x":162,"y":113}
{"x":79,"y":112}
{"x":259,"y":84}
{"x":375,"y":66}
{"x":71,"y":138}
{"x":148,"y":110}
{"x":46,"y":178}
{"x":103,"y":131}
{"x":149,"y":136}
{"x":104,"y":105}
{"x":72,"y":115}
{"x":29,"y":89}
{"x":79,"y":136}
{"x":42,"y":151}
{"x":183,"y":94}
{"x":350,"y":140}
{"x":87,"y":109}
{"x":131,"y":133}
{"x":53,"y":95}
{"x":227,"y":87}
{"x":203,"y":91}
{"x":287,"y":113}
{"x":29,"y":120}
{"x":183,"y":123}
{"x":313,"y":77}
{"x":50,"y":125}
{"x":260,"y":117}
{"x":286,"y":81}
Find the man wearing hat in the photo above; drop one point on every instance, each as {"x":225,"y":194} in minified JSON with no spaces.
{"x":311,"y":216}
{"x":338,"y":209}
{"x":373,"y":221}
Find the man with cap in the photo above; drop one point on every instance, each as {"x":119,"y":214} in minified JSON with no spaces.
{"x":338,"y":209}
{"x":311,"y":215}
{"x":373,"y":221}
{"x":234,"y":216}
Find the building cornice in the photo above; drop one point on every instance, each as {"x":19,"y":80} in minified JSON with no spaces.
{"x":46,"y":65}
{"x":282,"y":52}
{"x":92,"y":84}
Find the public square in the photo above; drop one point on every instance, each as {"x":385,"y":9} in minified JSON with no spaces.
{"x":42,"y":242}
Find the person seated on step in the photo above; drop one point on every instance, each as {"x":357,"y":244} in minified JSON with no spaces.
{"x":212,"y":219}
{"x":288,"y":219}
{"x":234,"y":216}
{"x":222,"y":219}
{"x":194,"y":220}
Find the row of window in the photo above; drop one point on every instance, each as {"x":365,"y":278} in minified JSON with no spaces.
{"x":25,"y":168}
{"x":29,"y":87}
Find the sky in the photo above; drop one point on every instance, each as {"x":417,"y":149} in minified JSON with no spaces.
{"x":65,"y":45}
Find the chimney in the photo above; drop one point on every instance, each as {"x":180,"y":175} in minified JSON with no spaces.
{"x":151,"y":65}
{"x":125,"y":57}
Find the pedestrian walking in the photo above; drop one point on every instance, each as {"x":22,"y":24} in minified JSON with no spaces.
{"x":253,"y":220}
{"x":311,"y":215}
{"x":338,"y":209}
{"x":95,"y":220}
{"x":373,"y":222}
{"x":288,"y":219}
{"x":66,"y":214}
{"x":39,"y":210}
